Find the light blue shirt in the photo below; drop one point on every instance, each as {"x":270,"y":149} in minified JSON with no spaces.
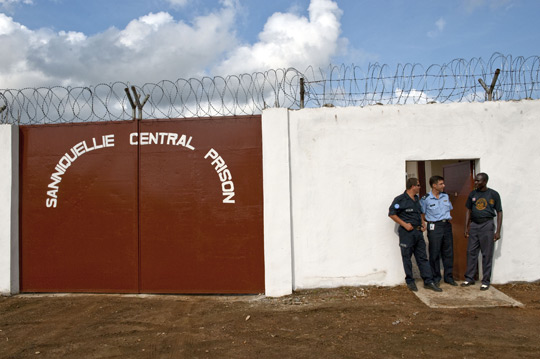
{"x":436,"y":209}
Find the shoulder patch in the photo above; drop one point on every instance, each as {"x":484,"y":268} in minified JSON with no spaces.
{"x":425,"y":196}
{"x":396,"y":206}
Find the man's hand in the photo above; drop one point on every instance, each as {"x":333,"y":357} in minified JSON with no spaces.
{"x":399,"y":221}
{"x":496,"y":237}
{"x":408,"y":227}
{"x":466,"y":234}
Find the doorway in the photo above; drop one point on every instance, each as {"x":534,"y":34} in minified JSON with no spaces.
{"x":459,"y":179}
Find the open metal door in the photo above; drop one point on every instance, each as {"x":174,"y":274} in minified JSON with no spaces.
{"x":459,"y":181}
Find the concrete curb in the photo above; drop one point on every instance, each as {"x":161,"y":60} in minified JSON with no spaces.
{"x":465,"y":297}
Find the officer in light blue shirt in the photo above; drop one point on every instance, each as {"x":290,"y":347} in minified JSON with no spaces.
{"x":436,"y":207}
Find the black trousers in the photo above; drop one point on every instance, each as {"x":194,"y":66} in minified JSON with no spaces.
{"x":413,"y":243}
{"x":480,"y":238}
{"x":441,"y":246}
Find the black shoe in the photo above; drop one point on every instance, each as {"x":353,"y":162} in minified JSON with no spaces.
{"x":437,"y":283}
{"x":467,"y":284}
{"x":484,"y":287}
{"x":412,"y":286}
{"x":433,"y":287}
{"x":451,"y":282}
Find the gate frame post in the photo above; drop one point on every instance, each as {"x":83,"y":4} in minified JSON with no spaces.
{"x":9,"y":209}
{"x":278,"y":226}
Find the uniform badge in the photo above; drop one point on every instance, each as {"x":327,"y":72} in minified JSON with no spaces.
{"x":492,"y":201}
{"x":396,"y":206}
{"x":474,"y":199}
{"x":481,"y":204}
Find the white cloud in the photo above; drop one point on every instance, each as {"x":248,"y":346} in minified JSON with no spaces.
{"x":139,"y":30}
{"x":9,"y":5}
{"x":151,"y":48}
{"x":12,"y":2}
{"x":289,"y":40}
{"x":177,"y":3}
{"x":72,"y":37}
{"x":496,"y":4}
{"x":440,"y":25}
{"x":156,"y":47}
{"x":412,"y":96}
{"x":471,"y":6}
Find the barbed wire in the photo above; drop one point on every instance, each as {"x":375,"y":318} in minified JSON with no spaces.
{"x":249,"y":94}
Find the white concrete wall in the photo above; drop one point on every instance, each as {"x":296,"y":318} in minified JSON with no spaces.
{"x":330,"y":175}
{"x":277,"y":203}
{"x":347,"y":164}
{"x":9,"y":207}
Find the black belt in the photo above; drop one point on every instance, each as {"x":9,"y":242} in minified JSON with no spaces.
{"x":482,"y":220}
{"x":418,"y":228}
{"x":441,"y":221}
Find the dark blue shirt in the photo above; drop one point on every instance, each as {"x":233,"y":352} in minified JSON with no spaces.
{"x":407,"y":209}
{"x":484,"y":204}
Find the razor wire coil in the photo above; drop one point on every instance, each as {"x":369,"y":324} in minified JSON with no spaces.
{"x":249,"y":94}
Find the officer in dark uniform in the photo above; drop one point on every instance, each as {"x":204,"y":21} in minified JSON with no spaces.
{"x":436,"y":207}
{"x":405,"y":211}
{"x":483,"y":204}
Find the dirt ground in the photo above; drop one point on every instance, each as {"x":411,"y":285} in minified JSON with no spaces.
{"x":352,"y":322}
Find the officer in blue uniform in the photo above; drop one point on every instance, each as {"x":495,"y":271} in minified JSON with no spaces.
{"x":436,"y":207}
{"x":405,"y":210}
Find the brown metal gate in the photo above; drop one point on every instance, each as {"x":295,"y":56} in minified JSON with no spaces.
{"x":159,"y":206}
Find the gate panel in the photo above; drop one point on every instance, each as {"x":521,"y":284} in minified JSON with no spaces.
{"x":201,"y":206}
{"x":78,"y":208}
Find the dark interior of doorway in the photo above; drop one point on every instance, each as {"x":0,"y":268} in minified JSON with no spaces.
{"x":459,"y":181}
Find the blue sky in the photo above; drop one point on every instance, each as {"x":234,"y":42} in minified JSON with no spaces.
{"x":85,"y":42}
